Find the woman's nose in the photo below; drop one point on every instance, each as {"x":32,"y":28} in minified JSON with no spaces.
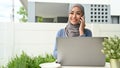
{"x":74,"y":15}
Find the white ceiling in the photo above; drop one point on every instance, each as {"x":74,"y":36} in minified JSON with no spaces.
{"x":57,"y":9}
{"x":45,"y":9}
{"x":51,"y":9}
{"x":24,"y":3}
{"x":75,"y":1}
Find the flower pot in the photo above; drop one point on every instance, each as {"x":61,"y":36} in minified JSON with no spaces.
{"x":114,"y":63}
{"x":50,"y":65}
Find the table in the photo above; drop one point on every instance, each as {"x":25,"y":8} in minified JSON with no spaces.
{"x":107,"y":65}
{"x":56,"y":65}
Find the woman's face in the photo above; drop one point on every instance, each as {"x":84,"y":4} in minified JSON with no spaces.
{"x":75,"y":15}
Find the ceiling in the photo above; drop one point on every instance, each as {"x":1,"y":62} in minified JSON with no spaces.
{"x":46,"y":9}
{"x":51,"y":9}
{"x":24,"y":3}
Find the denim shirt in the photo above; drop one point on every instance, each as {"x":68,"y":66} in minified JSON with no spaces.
{"x":61,"y":33}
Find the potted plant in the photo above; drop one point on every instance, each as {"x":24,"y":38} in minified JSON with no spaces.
{"x":111,"y":49}
{"x":25,"y":61}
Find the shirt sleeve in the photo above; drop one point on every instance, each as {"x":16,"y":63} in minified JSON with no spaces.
{"x":82,"y":35}
{"x":59,"y":34}
{"x":87,"y":33}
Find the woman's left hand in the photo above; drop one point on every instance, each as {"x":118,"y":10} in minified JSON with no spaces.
{"x":82,"y":25}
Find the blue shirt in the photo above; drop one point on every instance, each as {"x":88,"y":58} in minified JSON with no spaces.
{"x":61,"y":33}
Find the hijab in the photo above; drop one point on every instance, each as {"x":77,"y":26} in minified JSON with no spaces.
{"x":73,"y":30}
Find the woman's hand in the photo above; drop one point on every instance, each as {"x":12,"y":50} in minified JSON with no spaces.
{"x":82,"y":25}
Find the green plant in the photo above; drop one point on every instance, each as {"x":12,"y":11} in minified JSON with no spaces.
{"x":2,"y":67}
{"x":111,"y":47}
{"x":23,"y":13}
{"x":25,"y":61}
{"x":40,"y":59}
{"x":20,"y":62}
{"x":39,"y":19}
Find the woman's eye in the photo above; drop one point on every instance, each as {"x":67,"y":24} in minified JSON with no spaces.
{"x":71,"y":13}
{"x":78,"y":13}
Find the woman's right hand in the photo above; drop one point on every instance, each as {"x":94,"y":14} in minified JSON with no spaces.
{"x":82,"y":25}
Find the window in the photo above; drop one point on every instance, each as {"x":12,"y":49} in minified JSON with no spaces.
{"x":95,"y":20}
{"x":91,"y":12}
{"x":102,"y":13}
{"x":91,"y":16}
{"x":98,"y":20}
{"x":91,"y":20}
{"x":105,"y":20}
{"x":105,"y":16}
{"x":91,"y":9}
{"x":95,"y":9}
{"x":106,"y":13}
{"x":95,"y":16}
{"x":102,"y":20}
{"x":102,"y":5}
{"x":95,"y":5}
{"x":98,"y":16}
{"x":98,"y":12}
{"x":102,"y":16}
{"x":95,"y":12}
{"x":91,"y":5}
{"x":106,"y":9}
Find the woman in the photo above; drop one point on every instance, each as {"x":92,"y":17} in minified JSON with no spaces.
{"x":75,"y":26}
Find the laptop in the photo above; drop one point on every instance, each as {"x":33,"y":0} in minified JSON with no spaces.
{"x":80,"y":51}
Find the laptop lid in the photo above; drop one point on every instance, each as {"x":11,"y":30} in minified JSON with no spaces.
{"x":80,"y":51}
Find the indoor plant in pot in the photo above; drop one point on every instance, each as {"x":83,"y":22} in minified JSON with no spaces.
{"x":111,"y":48}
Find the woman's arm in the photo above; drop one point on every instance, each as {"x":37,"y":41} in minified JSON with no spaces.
{"x":60,"y":33}
{"x":82,"y":26}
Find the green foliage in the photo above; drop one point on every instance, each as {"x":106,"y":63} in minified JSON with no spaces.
{"x":39,"y":19}
{"x":107,"y":59}
{"x":2,"y":67}
{"x":111,"y":47}
{"x":40,"y":59}
{"x":25,"y":61}
{"x":23,"y":13}
{"x":20,"y":62}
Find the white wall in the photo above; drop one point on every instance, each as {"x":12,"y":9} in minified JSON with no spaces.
{"x":35,"y":38}
{"x":6,"y":41}
{"x":105,"y":30}
{"x":39,"y":38}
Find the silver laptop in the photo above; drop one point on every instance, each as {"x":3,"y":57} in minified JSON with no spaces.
{"x":80,"y":51}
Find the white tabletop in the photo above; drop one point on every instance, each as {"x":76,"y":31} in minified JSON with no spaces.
{"x":56,"y":65}
{"x":106,"y":66}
